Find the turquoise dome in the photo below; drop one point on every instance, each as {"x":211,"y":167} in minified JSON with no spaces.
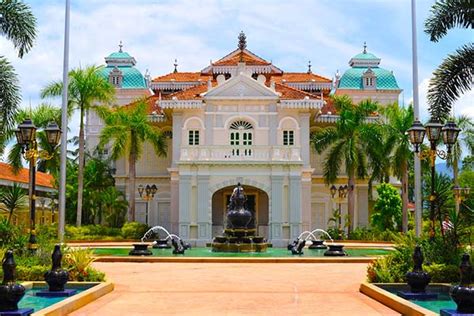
{"x":352,"y":79}
{"x":132,"y":77}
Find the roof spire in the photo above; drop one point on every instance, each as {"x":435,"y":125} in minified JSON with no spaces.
{"x":175,"y":65}
{"x":309,"y":66}
{"x":242,"y":44}
{"x":242,"y":41}
{"x":120,"y":47}
{"x":365,"y":48}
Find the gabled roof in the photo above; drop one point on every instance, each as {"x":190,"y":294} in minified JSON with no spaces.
{"x":300,"y":77}
{"x":292,"y":93}
{"x":193,"y":93}
{"x":23,"y":176}
{"x":234,"y":57}
{"x":241,"y":86}
{"x":182,"y":77}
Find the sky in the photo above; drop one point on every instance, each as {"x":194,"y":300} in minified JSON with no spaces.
{"x":288,"y":33}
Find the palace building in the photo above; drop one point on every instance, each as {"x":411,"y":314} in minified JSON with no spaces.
{"x":240,"y":119}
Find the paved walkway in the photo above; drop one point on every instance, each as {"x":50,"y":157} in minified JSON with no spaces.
{"x":234,"y":289}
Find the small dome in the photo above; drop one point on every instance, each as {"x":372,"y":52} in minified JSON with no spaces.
{"x":365,"y":56}
{"x":352,"y":79}
{"x":119,"y":55}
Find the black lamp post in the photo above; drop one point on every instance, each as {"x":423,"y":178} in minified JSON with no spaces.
{"x":342,"y":193}
{"x":26,"y":138}
{"x":434,"y":131}
{"x":150,"y":191}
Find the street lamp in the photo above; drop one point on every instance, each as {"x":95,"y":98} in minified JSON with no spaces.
{"x":26,"y":138}
{"x":460,"y":194}
{"x":342,"y":194}
{"x":150,"y":191}
{"x":434,"y":131}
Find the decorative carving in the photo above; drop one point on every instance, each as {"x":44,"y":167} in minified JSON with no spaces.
{"x":242,"y":41}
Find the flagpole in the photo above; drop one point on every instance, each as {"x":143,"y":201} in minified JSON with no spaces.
{"x":62,"y":181}
{"x":416,"y":108}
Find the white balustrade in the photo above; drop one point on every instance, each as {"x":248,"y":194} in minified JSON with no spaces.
{"x":240,"y":153}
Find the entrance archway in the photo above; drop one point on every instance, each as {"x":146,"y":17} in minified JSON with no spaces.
{"x":257,"y":203}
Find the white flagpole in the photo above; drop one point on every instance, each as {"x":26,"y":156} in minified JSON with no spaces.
{"x":416,"y":108}
{"x":62,"y":181}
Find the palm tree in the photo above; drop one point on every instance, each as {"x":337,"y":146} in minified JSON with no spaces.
{"x":455,"y":74}
{"x":40,"y":116}
{"x":17,"y":24}
{"x":128,"y":128}
{"x":348,"y":143}
{"x":13,"y":198}
{"x":466,"y":138}
{"x":86,"y":88}
{"x":398,"y":121}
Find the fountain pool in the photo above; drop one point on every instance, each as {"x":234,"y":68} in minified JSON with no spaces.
{"x":270,"y":253}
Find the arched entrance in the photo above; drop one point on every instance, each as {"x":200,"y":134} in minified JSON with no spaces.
{"x":257,"y":203}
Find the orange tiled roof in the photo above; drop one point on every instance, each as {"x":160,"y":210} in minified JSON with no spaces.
{"x":300,"y":77}
{"x":192,"y":93}
{"x":292,"y":93}
{"x":328,"y":107}
{"x":247,"y":57}
{"x":182,"y":76}
{"x":42,"y":179}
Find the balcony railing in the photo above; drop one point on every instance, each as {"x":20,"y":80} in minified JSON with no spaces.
{"x":240,"y":153}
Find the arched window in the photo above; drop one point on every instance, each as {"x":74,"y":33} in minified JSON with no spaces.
{"x":241,"y":138}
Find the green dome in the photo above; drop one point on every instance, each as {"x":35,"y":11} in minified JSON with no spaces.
{"x":132,"y":77}
{"x":365,"y":56}
{"x":119,"y":55}
{"x":352,"y":79}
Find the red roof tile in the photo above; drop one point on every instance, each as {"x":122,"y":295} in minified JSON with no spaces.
{"x":300,"y":77}
{"x":23,"y":176}
{"x":182,"y":77}
{"x":293,"y":93}
{"x":248,"y":57}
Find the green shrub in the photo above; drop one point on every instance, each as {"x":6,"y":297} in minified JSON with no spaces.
{"x":364,"y":233}
{"x":134,"y":230}
{"x":387,"y":212}
{"x":442,"y":273}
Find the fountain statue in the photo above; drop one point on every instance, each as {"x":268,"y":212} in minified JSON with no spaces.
{"x":56,"y":277}
{"x":462,"y":294}
{"x":11,"y":292}
{"x":240,"y":231}
{"x":417,"y":279}
{"x":298,"y":248}
{"x":141,"y":249}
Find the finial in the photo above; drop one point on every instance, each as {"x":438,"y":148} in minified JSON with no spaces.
{"x":242,"y":41}
{"x":175,"y":65}
{"x":120,"y":47}
{"x":365,"y":48}
{"x":309,"y":66}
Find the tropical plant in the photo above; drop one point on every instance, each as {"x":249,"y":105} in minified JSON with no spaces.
{"x":396,"y":149}
{"x":465,"y":138}
{"x":455,"y":74}
{"x":41,"y":116}
{"x":387,"y":214}
{"x":17,"y":24}
{"x":348,"y":144}
{"x":13,"y":198}
{"x":128,"y":128}
{"x":86,"y":88}
{"x":115,"y":207}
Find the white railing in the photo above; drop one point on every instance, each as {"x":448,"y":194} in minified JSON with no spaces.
{"x":240,"y":153}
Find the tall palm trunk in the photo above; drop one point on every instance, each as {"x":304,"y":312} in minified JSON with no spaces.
{"x":131,"y":182}
{"x":80,"y":173}
{"x":404,"y":168}
{"x":350,"y":201}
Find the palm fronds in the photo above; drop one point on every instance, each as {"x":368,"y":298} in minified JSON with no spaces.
{"x":447,"y":14}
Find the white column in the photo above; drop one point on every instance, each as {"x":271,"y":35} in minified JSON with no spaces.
{"x":304,"y":139}
{"x":204,"y":210}
{"x":295,"y":205}
{"x":276,"y":212}
{"x":184,"y":205}
{"x":177,"y":126}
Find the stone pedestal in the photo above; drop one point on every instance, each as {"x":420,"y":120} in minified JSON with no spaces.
{"x":335,"y":251}
{"x":64,"y":293}
{"x":140,"y":250}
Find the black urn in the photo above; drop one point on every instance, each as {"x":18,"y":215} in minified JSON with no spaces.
{"x":463,"y":294}
{"x":317,"y":244}
{"x":335,"y":251}
{"x":56,"y":277}
{"x":161,"y":244}
{"x":10,"y":292}
{"x":238,"y":217}
{"x":418,"y":279}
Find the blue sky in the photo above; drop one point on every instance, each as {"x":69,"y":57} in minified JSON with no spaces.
{"x":289,"y":33}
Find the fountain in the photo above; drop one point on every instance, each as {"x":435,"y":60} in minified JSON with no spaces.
{"x":417,"y":279}
{"x":141,"y":249}
{"x":240,"y":232}
{"x":316,"y":243}
{"x":462,"y":294}
{"x":11,"y":292}
{"x":56,"y":277}
{"x":298,"y":248}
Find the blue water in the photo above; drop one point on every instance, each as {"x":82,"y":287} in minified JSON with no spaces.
{"x":39,"y":302}
{"x":443,"y":301}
